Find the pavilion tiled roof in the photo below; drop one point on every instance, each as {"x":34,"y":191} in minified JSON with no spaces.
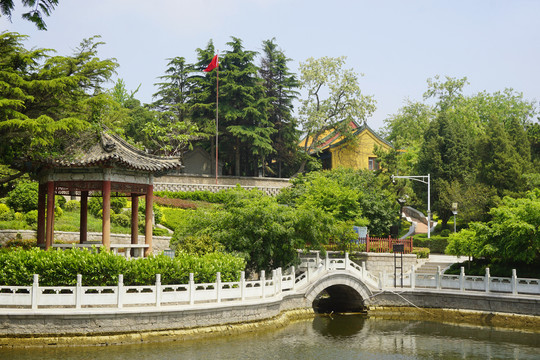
{"x":112,"y":150}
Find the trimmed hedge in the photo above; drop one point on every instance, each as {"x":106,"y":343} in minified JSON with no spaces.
{"x":60,"y":268}
{"x":436,"y":244}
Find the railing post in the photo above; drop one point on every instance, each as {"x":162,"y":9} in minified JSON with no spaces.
{"x":462,"y":279}
{"x":158,"y":290}
{"x":514,"y":282}
{"x":363,"y":267}
{"x":317,"y":259}
{"x":280,"y":280}
{"x":346,"y":261}
{"x":413,"y":277}
{"x":242,"y":285}
{"x":381,"y":280}
{"x":78,"y":292}
{"x":191,"y":289}
{"x":326,"y":262}
{"x":120,"y":291}
{"x":438,"y":278}
{"x":218,"y":287}
{"x":293,"y":276}
{"x":274,"y":279}
{"x":263,"y":282}
{"x":487,"y":280}
{"x":35,"y":291}
{"x":367,"y":242}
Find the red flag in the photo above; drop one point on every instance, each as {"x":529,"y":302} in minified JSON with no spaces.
{"x":213,"y":64}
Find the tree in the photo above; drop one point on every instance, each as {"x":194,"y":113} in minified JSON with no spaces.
{"x":48,"y":100}
{"x":35,"y":15}
{"x":333,"y":101}
{"x":356,"y":196}
{"x":280,"y":85}
{"x":513,"y":234}
{"x":245,"y":130}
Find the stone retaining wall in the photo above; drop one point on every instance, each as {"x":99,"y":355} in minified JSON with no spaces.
{"x":444,"y":299}
{"x":159,"y":243}
{"x":384,"y":262}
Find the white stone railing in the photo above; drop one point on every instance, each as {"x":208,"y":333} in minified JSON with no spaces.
{"x":157,"y":295}
{"x":121,"y":295}
{"x":462,"y":282}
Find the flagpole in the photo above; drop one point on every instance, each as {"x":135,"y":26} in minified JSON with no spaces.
{"x":217,"y":116}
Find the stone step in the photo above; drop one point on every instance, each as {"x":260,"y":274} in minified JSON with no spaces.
{"x":431,"y":267}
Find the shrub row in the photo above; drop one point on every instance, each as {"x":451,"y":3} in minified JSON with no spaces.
{"x":220,"y":197}
{"x":60,"y":268}
{"x":436,"y":244}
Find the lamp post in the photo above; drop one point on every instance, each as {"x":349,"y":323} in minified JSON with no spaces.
{"x":454,"y":211}
{"x":425,"y":179}
{"x":401,"y":202}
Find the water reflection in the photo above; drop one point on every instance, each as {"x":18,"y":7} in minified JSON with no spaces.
{"x":328,"y":337}
{"x":338,"y":326}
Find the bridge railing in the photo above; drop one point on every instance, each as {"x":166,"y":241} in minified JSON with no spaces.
{"x":463,"y":282}
{"x":37,"y":296}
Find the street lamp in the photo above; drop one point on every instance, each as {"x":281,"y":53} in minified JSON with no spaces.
{"x":401,"y":202}
{"x":454,"y":211}
{"x":425,"y":179}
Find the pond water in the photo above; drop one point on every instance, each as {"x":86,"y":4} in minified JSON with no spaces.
{"x":336,"y":337}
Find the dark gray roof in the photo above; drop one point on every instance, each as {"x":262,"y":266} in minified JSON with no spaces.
{"x":112,"y":150}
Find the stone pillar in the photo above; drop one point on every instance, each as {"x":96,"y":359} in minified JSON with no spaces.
{"x":134,"y":218}
{"x":50,"y":215}
{"x":106,"y":224}
{"x":84,"y":217}
{"x":42,"y":205}
{"x":148,"y":220}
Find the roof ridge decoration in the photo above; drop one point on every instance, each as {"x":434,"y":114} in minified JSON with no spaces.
{"x":112,"y":150}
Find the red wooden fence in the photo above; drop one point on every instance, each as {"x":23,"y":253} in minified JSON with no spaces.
{"x":384,"y":245}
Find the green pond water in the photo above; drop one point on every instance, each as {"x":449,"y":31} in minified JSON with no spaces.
{"x":336,"y":337}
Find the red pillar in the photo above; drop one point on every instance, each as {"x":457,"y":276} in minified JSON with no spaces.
{"x":106,"y":224}
{"x":84,"y":217}
{"x":42,"y":204}
{"x":134,"y":219}
{"x":50,"y":215}
{"x":148,"y":219}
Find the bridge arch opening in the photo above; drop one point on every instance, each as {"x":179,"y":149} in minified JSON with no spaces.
{"x":338,"y":299}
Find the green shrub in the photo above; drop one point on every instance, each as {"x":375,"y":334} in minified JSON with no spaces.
{"x":58,"y":212}
{"x":18,"y":242}
{"x":198,"y":245}
{"x":72,"y":205}
{"x":421,"y":252}
{"x":159,"y":232}
{"x":60,"y":201}
{"x":437,"y":244}
{"x":157,"y":212}
{"x":121,"y":219}
{"x":31,"y":217}
{"x":5,"y":213}
{"x":60,"y":268}
{"x":445,"y":233}
{"x":24,"y":197}
{"x":95,"y":205}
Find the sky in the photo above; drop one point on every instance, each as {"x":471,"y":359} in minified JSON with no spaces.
{"x":396,"y":45}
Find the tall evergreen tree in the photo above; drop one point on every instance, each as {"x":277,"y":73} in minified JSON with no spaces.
{"x":246,"y":131}
{"x":280,"y":89}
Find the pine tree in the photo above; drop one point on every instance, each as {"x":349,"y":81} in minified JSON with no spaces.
{"x":280,"y":85}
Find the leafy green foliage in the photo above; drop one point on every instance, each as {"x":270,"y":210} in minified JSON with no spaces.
{"x":346,"y":195}
{"x":57,"y":267}
{"x":257,"y":227}
{"x":48,"y":101}
{"x":24,"y":197}
{"x":39,"y":8}
{"x":334,"y":99}
{"x":512,"y":235}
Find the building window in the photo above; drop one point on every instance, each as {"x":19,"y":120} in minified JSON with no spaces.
{"x":373,"y":163}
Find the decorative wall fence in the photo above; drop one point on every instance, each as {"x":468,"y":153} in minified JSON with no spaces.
{"x":384,"y":245}
{"x":311,"y":269}
{"x":462,"y":282}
